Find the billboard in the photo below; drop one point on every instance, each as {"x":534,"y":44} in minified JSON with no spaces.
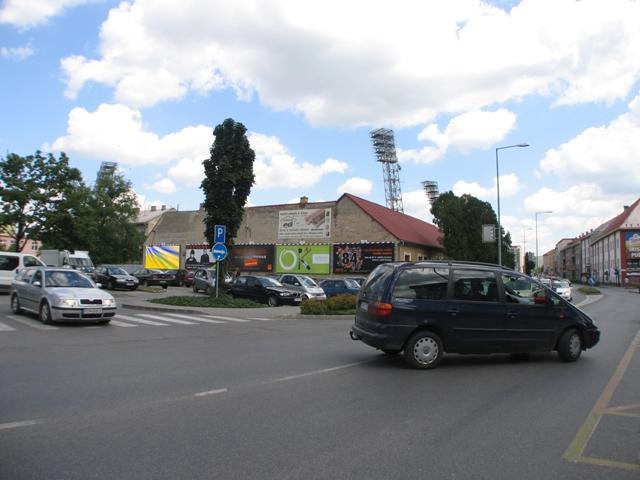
{"x":361,"y":257}
{"x":307,"y":223}
{"x":306,"y":259}
{"x":197,"y":255}
{"x":252,"y":258}
{"x":162,"y":257}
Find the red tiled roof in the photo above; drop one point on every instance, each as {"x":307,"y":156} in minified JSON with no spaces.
{"x":403,"y":227}
{"x":615,"y":223}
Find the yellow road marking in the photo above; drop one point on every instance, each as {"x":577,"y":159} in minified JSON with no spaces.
{"x":580,"y":441}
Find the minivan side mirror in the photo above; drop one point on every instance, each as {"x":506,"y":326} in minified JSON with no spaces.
{"x":37,"y":284}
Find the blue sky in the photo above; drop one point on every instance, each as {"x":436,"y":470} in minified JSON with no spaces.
{"x":143,"y":83}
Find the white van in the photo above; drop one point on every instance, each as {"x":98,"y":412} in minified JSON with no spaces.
{"x":11,"y":263}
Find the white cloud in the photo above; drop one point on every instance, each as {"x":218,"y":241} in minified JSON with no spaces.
{"x":188,"y":171}
{"x":116,"y":133}
{"x":16,"y":53}
{"x":28,"y":13}
{"x":417,"y":205}
{"x":300,"y":56}
{"x":356,"y":186}
{"x":465,"y":132}
{"x":165,"y":186}
{"x":274,"y":167}
{"x":607,"y":155}
{"x":509,"y":185}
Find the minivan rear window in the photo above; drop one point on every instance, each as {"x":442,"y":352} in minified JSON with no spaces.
{"x":374,"y":286}
{"x":9,"y":262}
{"x":427,"y":283}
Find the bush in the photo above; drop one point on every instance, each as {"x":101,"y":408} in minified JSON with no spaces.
{"x":589,"y":290}
{"x":223,"y":301}
{"x":338,"y":305}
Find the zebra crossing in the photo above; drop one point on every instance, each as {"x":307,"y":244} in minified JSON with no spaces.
{"x":131,"y":319}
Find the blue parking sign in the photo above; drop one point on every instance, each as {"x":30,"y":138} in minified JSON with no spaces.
{"x":220,"y":233}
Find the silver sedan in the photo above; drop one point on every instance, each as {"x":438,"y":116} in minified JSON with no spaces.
{"x":60,"y":294}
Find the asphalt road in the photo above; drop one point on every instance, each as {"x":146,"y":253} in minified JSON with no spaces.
{"x":296,"y":398}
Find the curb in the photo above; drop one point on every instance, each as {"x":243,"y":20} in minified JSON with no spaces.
{"x":589,"y":300}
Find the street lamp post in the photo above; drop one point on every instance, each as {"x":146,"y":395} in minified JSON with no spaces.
{"x":537,"y":255}
{"x":498,"y":191}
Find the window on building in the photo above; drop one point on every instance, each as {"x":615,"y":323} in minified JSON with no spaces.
{"x":407,"y":257}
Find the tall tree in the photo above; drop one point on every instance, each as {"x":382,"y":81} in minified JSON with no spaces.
{"x":31,"y":188}
{"x":529,"y":262}
{"x":460,"y":219}
{"x":228,"y":179}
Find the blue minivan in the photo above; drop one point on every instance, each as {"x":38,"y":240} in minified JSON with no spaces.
{"x":425,"y":309}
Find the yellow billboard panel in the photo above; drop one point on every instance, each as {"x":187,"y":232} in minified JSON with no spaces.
{"x":162,"y":257}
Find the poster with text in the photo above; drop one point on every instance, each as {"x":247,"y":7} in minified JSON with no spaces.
{"x":198,"y":255}
{"x":162,"y":257}
{"x":307,"y":223}
{"x":307,"y":259}
{"x":252,"y":258}
{"x":632,"y":244}
{"x":361,"y":257}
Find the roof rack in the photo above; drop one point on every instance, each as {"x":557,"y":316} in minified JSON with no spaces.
{"x":463,"y":262}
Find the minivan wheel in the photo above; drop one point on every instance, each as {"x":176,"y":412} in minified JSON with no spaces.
{"x":423,"y":350}
{"x":570,"y":346}
{"x":15,"y":305}
{"x":272,"y":301}
{"x":45,"y":313}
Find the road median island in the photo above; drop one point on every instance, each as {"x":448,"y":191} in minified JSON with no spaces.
{"x":339,"y":305}
{"x":222,"y":301}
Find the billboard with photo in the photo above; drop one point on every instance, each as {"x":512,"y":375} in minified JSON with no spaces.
{"x":632,"y":247}
{"x":306,"y":223}
{"x":252,"y":258}
{"x":198,"y":255}
{"x":308,"y":259}
{"x":162,"y":257}
{"x":361,"y":257}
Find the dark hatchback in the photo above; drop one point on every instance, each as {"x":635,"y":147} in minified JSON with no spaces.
{"x":263,"y":289}
{"x":116,"y":277}
{"x":148,"y":277}
{"x":425,"y":309}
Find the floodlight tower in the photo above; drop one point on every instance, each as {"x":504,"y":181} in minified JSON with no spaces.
{"x":107,"y":168}
{"x":431,"y":189}
{"x":385,"y":149}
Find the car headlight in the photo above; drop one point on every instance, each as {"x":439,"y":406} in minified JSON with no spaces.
{"x":108,"y":302}
{"x":66,"y":302}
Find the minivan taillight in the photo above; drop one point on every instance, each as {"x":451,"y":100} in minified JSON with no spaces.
{"x":381,"y":309}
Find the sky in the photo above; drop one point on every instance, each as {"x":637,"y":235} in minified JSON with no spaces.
{"x":144,"y":82}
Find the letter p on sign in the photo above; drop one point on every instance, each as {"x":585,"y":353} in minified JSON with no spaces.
{"x":220,"y":233}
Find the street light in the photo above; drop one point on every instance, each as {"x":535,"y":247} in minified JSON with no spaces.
{"x":521,"y":145}
{"x":537,"y":255}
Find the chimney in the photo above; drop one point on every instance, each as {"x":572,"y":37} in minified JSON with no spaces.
{"x":153,"y":208}
{"x":626,"y":207}
{"x":304,"y":201}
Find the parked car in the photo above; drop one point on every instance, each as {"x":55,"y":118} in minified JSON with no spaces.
{"x":148,"y":277}
{"x":60,"y":294}
{"x":263,"y":289}
{"x":187,"y":281}
{"x":425,"y":309}
{"x":339,"y":286}
{"x":11,"y":263}
{"x":306,"y":286}
{"x":178,"y":277}
{"x":115,"y":277}
{"x":204,"y":279}
{"x":563,"y":288}
{"x":358,"y":280}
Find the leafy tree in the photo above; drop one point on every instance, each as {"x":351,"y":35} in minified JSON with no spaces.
{"x":228,"y":179}
{"x":460,"y":219}
{"x":31,"y":188}
{"x":529,"y":262}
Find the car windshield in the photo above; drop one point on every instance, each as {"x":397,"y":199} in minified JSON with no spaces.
{"x":269,"y":282}
{"x":557,"y":284}
{"x":67,"y":279}
{"x":351,"y":283}
{"x":117,"y":271}
{"x":306,"y":281}
{"x":80,"y":262}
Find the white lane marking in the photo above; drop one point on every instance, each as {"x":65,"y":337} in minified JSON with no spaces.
{"x":5,"y":328}
{"x":25,"y":423}
{"x":262,"y":319}
{"x":121,"y":324}
{"x":139,"y":320}
{"x":211,"y":392}
{"x":191,"y":317}
{"x":164,"y":319}
{"x":231,"y":319}
{"x":32,"y":323}
{"x":318,"y":372}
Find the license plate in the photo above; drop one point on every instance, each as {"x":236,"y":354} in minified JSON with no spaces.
{"x":364,"y":306}
{"x":92,"y":311}
{"x":297,"y":299}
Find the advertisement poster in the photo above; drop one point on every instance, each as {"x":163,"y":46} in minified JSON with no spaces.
{"x":361,"y":257}
{"x":252,"y":258}
{"x":307,"y":223}
{"x":632,"y":244}
{"x":162,"y":257}
{"x":307,"y":259}
{"x":198,"y":255}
